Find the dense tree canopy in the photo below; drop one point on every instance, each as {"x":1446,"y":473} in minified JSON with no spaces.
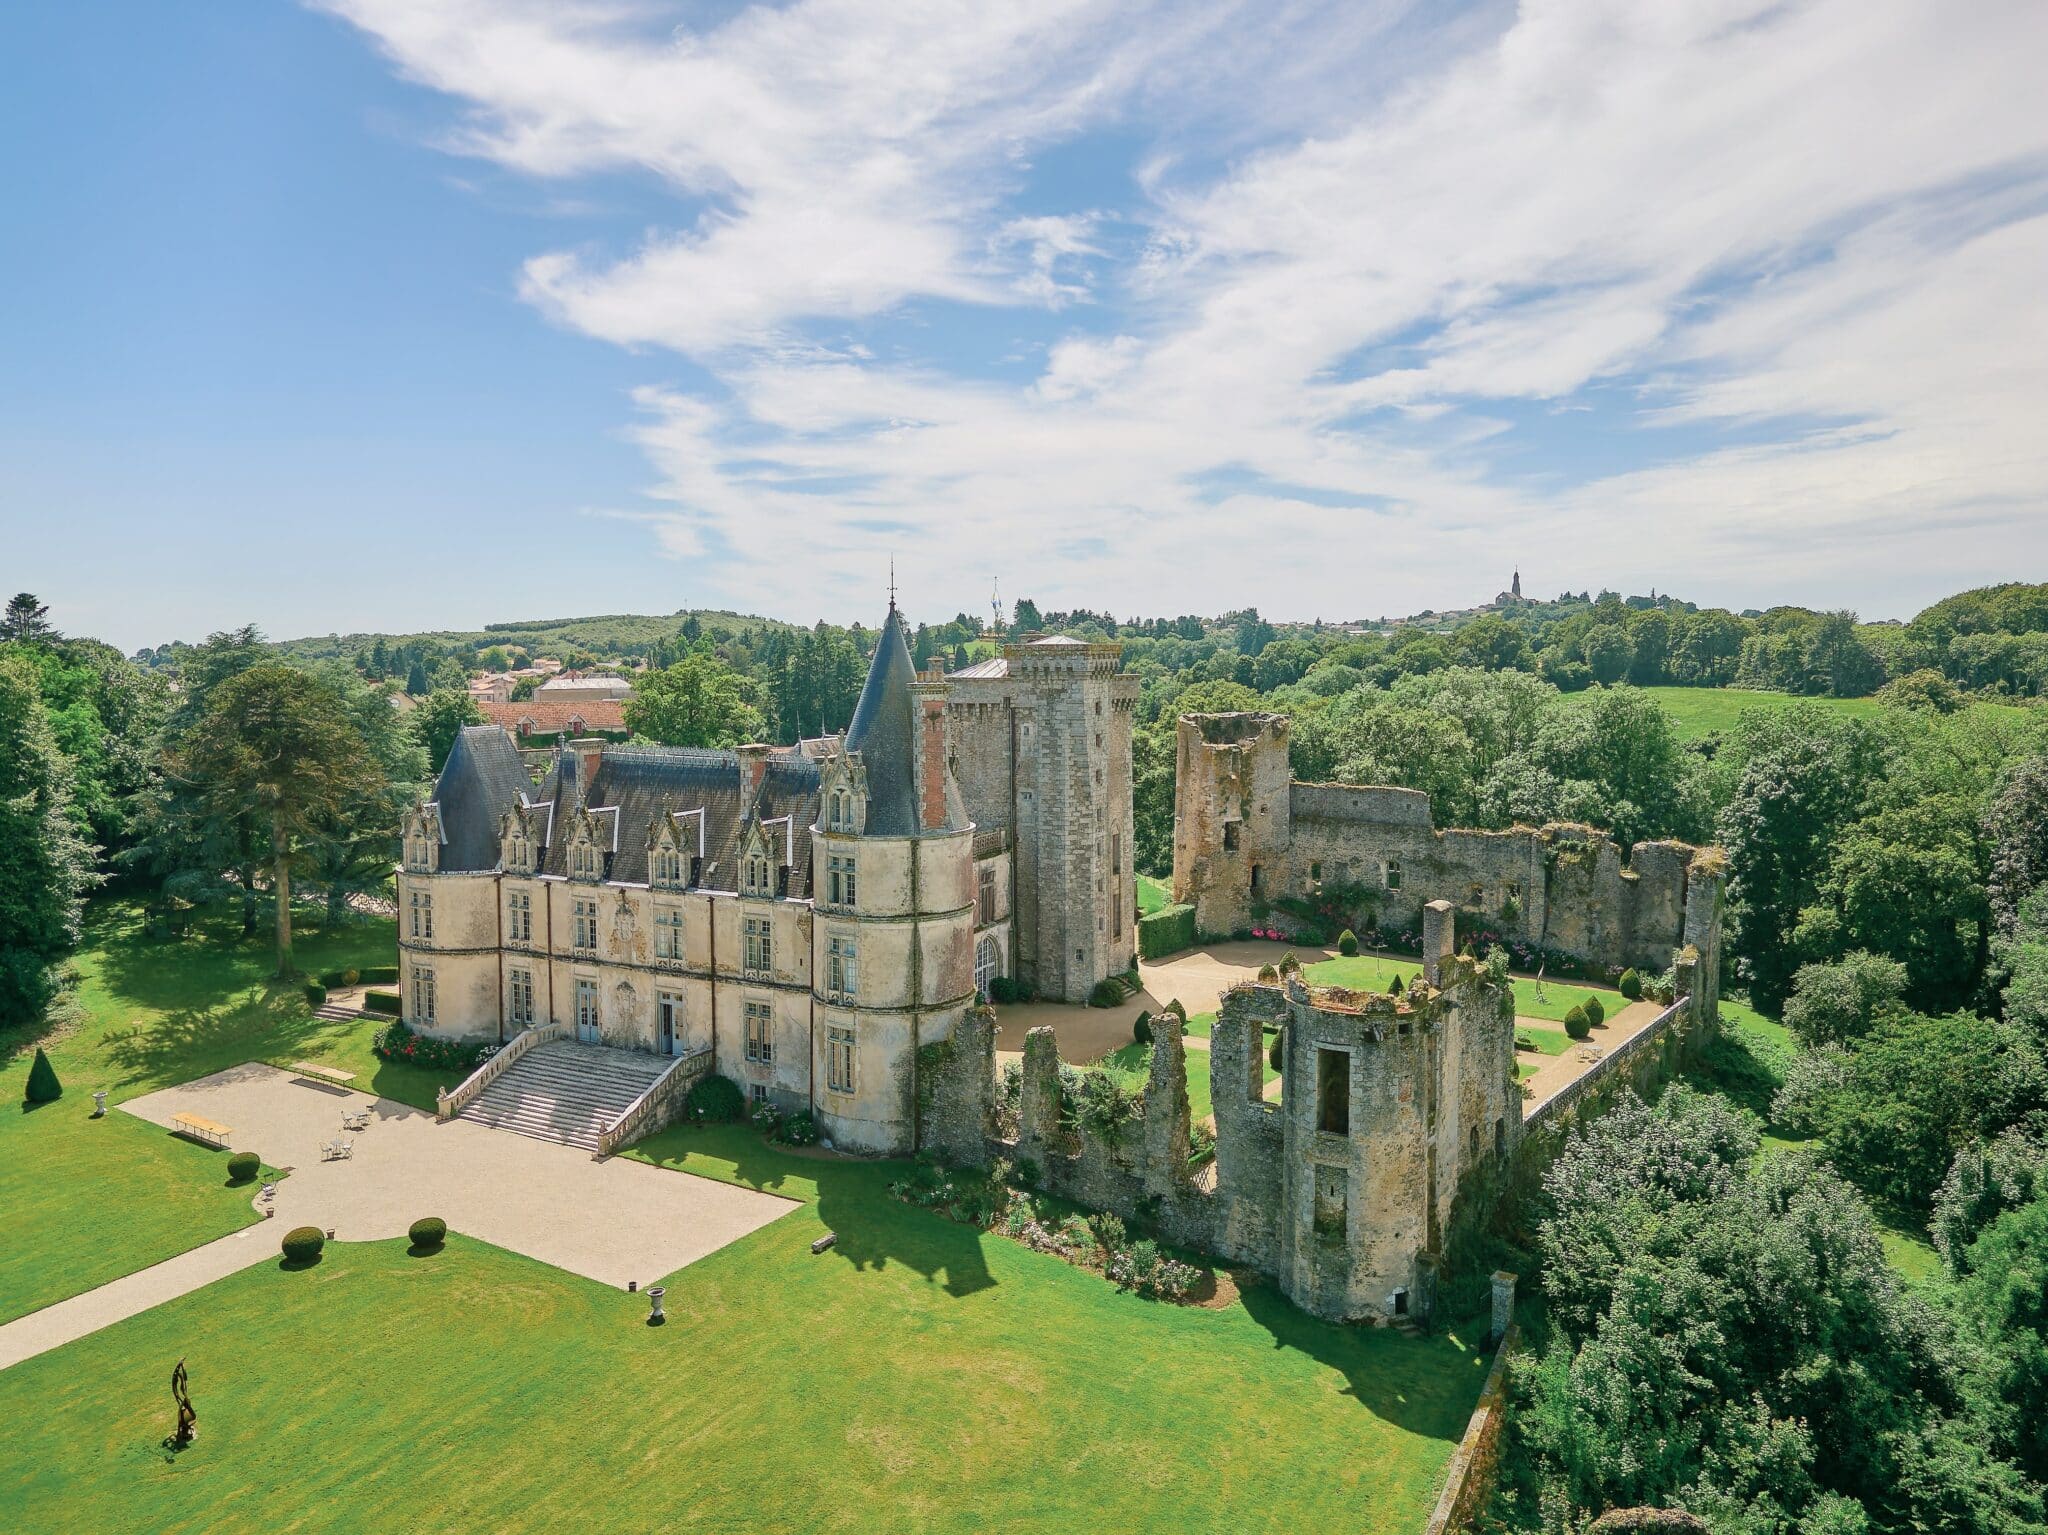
{"x":699,"y":701}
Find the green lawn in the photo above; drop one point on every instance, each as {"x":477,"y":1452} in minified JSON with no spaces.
{"x":1546,"y":1041}
{"x":1701,"y":711}
{"x":1134,"y":1061}
{"x":88,"y":1200}
{"x":1372,"y":972}
{"x":1152,"y":894}
{"x":920,"y":1376}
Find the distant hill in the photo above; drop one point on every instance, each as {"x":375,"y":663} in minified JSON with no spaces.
{"x":604,"y":634}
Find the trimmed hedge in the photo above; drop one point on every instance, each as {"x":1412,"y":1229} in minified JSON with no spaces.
{"x":333,"y":978}
{"x":378,"y":975}
{"x":1347,"y":943}
{"x":385,"y":1002}
{"x":716,"y":1098}
{"x":1167,"y":931}
{"x":1596,"y":1012}
{"x":1576,"y":1023}
{"x":1141,"y":1028}
{"x":244,"y":1165}
{"x":1105,"y":993}
{"x":43,"y":1086}
{"x":1273,"y":1052}
{"x":316,"y":994}
{"x":427,"y":1231}
{"x":1630,"y":985}
{"x":302,"y":1244}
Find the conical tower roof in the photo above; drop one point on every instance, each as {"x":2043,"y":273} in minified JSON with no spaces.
{"x":884,"y":733}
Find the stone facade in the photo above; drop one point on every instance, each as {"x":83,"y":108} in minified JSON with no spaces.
{"x":1041,"y":748}
{"x":1245,"y":832}
{"x":816,"y":915}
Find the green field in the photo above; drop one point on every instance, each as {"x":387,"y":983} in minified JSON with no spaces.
{"x":1546,"y":1041}
{"x":920,"y":1374}
{"x":89,"y":1200}
{"x":1134,"y":1063}
{"x":1152,"y":895}
{"x":1702,"y":711}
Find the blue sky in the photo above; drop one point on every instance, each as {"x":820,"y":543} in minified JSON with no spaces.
{"x":426,"y":313}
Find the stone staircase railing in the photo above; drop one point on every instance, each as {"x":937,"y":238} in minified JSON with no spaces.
{"x":448,"y":1105}
{"x":662,"y":1101}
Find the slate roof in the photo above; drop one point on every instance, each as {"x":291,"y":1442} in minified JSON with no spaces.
{"x":883,"y":732}
{"x":482,"y":779}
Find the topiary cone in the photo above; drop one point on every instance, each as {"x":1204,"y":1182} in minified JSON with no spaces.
{"x":43,"y":1086}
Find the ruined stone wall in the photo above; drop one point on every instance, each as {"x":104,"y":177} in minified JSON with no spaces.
{"x":956,"y":1081}
{"x":1563,"y":887}
{"x":1342,"y":1220}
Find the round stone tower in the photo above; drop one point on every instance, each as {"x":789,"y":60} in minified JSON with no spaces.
{"x":893,"y":879}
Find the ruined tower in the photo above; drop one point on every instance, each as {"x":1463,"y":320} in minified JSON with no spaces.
{"x":1232,"y":816}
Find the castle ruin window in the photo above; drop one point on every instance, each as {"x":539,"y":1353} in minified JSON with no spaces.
{"x":1315,"y":877}
{"x":1472,"y":1143}
{"x":1500,"y":1136}
{"x":1333,"y":1091}
{"x":1230,"y":836}
{"x":1255,"y":879}
{"x":1393,"y":874}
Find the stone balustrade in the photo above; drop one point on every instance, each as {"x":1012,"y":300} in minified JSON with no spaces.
{"x":449,"y":1104}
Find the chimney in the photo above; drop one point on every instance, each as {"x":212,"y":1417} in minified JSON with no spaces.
{"x":753,"y":763}
{"x":589,"y":752}
{"x":1439,"y":938}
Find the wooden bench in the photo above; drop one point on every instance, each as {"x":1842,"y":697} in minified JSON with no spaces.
{"x":331,"y":1073}
{"x":205,"y":1131}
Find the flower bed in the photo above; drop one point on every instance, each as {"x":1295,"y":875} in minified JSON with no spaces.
{"x":400,"y":1044}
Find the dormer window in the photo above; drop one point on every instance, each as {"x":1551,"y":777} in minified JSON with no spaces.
{"x":668,"y":865}
{"x":755,"y":879}
{"x":585,"y":860}
{"x":419,"y":852}
{"x":840,"y":814}
{"x":518,"y":852}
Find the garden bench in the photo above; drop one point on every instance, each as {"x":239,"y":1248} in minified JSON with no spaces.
{"x":331,"y":1073}
{"x":205,"y":1131}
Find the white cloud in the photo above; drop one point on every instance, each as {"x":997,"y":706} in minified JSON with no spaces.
{"x":1815,"y":221}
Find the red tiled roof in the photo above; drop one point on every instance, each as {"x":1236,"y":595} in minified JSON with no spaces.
{"x":535,"y":717}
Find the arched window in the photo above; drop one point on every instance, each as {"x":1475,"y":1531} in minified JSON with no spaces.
{"x":988,"y":964}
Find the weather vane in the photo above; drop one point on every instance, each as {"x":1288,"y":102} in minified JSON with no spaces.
{"x":892,"y":583}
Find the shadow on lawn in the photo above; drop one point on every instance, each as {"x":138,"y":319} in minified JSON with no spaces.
{"x":1413,"y":1383}
{"x":853,"y":1201}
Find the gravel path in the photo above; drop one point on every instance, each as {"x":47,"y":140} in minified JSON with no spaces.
{"x":611,"y":1221}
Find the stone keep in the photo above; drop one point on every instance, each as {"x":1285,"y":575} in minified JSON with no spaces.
{"x":1041,"y":749}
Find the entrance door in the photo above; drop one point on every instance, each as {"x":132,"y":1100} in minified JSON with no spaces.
{"x":668,"y":1027}
{"x":586,"y":1012}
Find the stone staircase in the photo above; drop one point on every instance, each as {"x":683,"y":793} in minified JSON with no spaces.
{"x":565,"y":1092}
{"x":335,"y":1012}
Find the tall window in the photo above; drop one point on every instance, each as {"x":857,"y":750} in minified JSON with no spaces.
{"x":839,"y":1060}
{"x":583,"y":922}
{"x":760,"y":1032}
{"x":841,"y":888}
{"x":985,"y":896}
{"x":1393,"y":874}
{"x":840,"y":817}
{"x":519,"y":853}
{"x":520,"y":1009}
{"x":988,"y":964}
{"x":422,"y":996}
{"x":420,"y":855}
{"x":1333,"y":1092}
{"x":842,"y":966}
{"x":586,"y":1008}
{"x":519,"y":917}
{"x":422,"y":914}
{"x":584,"y":859}
{"x":668,"y":932}
{"x":760,"y":949}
